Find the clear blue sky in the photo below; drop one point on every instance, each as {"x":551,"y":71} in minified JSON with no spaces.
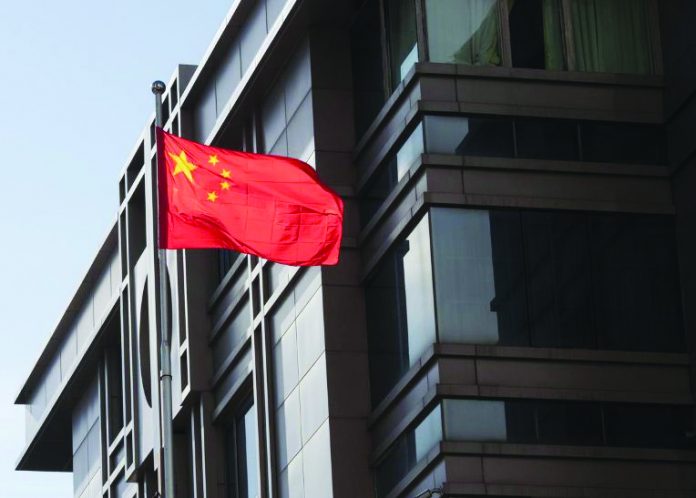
{"x":75,"y":83}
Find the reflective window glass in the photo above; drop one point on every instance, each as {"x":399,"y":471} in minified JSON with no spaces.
{"x":241,"y":443}
{"x":400,"y":307}
{"x":478,"y":277}
{"x":408,"y":450}
{"x":366,"y":58}
{"x":403,"y":46}
{"x":622,"y":143}
{"x":547,"y":139}
{"x":464,"y":31}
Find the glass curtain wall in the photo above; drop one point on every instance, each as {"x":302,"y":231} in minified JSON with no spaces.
{"x":243,"y":453}
{"x":400,"y":304}
{"x":529,"y":421}
{"x":553,"y":279}
{"x":403,"y":41}
{"x":577,"y":35}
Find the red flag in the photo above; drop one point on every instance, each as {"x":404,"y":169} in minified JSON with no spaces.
{"x":271,"y":206}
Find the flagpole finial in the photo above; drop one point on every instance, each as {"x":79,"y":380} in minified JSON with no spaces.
{"x":158,"y":87}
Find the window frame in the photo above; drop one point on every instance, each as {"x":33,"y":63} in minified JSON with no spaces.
{"x":233,"y":467}
{"x":505,"y":41}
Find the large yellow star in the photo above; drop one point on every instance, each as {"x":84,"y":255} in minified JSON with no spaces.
{"x":183,"y":165}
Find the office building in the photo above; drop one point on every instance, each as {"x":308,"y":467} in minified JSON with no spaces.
{"x":514,"y":312}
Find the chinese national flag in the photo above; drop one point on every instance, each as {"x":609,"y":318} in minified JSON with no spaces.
{"x":271,"y":206}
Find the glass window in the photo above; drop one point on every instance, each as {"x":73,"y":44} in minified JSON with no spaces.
{"x":547,"y":139}
{"x":569,"y":423}
{"x":233,"y":333}
{"x":408,"y":450}
{"x":228,"y":76}
{"x":479,"y":277}
{"x":368,"y":75}
{"x":558,"y":275}
{"x":636,"y":283}
{"x":557,"y":279}
{"x":463,"y":31}
{"x":205,"y":112}
{"x":469,"y":136}
{"x":226,"y":260}
{"x":403,"y":45}
{"x":611,"y":36}
{"x":242,"y":454}
{"x":551,"y":279}
{"x":252,"y":34}
{"x":622,"y":143}
{"x":474,"y":420}
{"x":391,"y":174}
{"x":400,"y":307}
{"x":409,"y":152}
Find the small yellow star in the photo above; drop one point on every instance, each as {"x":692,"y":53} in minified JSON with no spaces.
{"x":212,"y":196}
{"x":183,"y":165}
{"x":226,"y":173}
{"x":225,"y":185}
{"x":213,"y":160}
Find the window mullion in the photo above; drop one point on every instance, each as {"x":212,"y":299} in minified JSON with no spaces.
{"x":386,"y":55}
{"x":421,"y":31}
{"x":504,"y":37}
{"x":568,"y":38}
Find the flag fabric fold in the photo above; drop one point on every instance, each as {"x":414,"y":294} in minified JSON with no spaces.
{"x":270,"y":206}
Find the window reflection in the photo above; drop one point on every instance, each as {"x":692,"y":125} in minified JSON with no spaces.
{"x":400,"y":306}
{"x":403,"y":45}
{"x":518,"y":421}
{"x":409,"y":449}
{"x":463,"y":31}
{"x":527,"y":138}
{"x":242,"y":453}
{"x":551,"y":279}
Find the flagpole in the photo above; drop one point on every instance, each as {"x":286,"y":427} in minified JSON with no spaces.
{"x":158,"y":89}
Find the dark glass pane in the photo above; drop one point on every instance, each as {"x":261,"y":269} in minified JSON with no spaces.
{"x":400,"y":310}
{"x":569,"y":423}
{"x":226,"y":260}
{"x":622,"y":143}
{"x":527,"y":34}
{"x":487,"y":137}
{"x":403,"y":47}
{"x":546,"y":139}
{"x":649,"y":426}
{"x":241,"y":441}
{"x":637,"y":292}
{"x":368,"y":78}
{"x":377,"y":191}
{"x":521,"y":424}
{"x":559,"y":280}
{"x":408,"y":450}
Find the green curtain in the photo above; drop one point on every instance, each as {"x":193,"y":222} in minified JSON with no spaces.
{"x":612,"y":36}
{"x":553,"y":35}
{"x":464,"y":31}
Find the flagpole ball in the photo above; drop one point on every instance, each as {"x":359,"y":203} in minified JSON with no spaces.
{"x":158,"y":87}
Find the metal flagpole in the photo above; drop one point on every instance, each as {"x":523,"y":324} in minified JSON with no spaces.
{"x":158,"y":89}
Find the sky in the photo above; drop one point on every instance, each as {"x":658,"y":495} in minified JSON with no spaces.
{"x":75,"y":80}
